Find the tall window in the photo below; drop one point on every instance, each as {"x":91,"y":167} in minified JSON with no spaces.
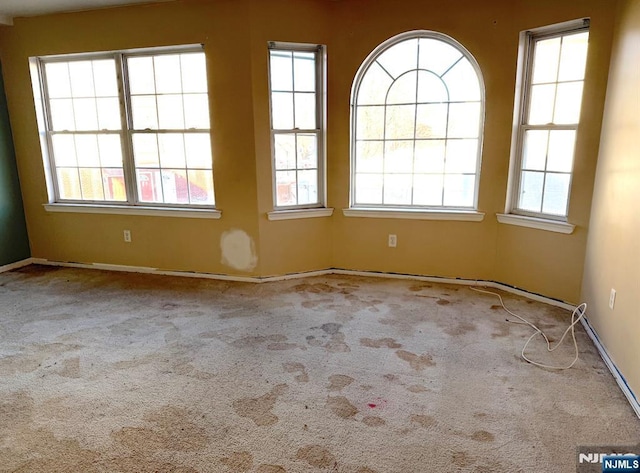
{"x":129,"y":128}
{"x":296,"y":79}
{"x":547,"y":120}
{"x":417,"y":117}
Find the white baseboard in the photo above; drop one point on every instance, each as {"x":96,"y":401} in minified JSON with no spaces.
{"x":16,"y":265}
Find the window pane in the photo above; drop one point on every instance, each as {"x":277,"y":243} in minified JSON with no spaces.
{"x":534,"y":152}
{"x":461,"y":156}
{"x":368,"y":189}
{"x":568,"y":102}
{"x":141,"y":80}
{"x":194,"y":72}
{"x":556,"y":194}
{"x":464,"y":120}
{"x":370,"y":123}
{"x":196,"y":111}
{"x":459,"y":190}
{"x":171,"y":148}
{"x":573,"y":57}
{"x":285,"y":151}
{"x":427,"y":189}
{"x":429,"y":156}
{"x":104,"y":78}
{"x":110,"y":150}
{"x":175,"y":186}
{"x":113,"y":183}
{"x":374,"y":86}
{"x":305,"y":111}
{"x":281,"y":70}
{"x":58,"y":82}
{"x":541,"y":104}
{"x":431,"y":121}
{"x":404,"y":89}
{"x":307,"y":152}
{"x":462,"y":82}
{"x":307,"y":187}
{"x":68,"y":183}
{"x":91,"y":183}
{"x":145,"y":150}
{"x":531,"y":191}
{"x":87,"y":151}
{"x":305,"y":71}
{"x":398,"y":157}
{"x":397,"y":189}
{"x":64,"y":150}
{"x":561,"y":145}
{"x":108,"y":114}
{"x":145,"y":115}
{"x":62,"y":114}
{"x":437,"y":56}
{"x":400,"y":57}
{"x":282,"y":110}
{"x":149,"y":185}
{"x":81,"y":75}
{"x":167,"y":74}
{"x":286,"y":188}
{"x":198,"y":149}
{"x":201,"y":187}
{"x":170,"y":112}
{"x":86,"y":114}
{"x":400,"y":121}
{"x":369,"y":156}
{"x":431,"y":88}
{"x":545,"y":62}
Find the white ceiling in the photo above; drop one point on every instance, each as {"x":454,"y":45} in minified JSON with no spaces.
{"x":10,"y":9}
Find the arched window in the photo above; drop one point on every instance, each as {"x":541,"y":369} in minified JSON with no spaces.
{"x":417,"y":108}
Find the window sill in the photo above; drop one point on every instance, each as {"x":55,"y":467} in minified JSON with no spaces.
{"x":299,"y":213}
{"x":538,"y":223}
{"x":131,"y":210}
{"x":453,"y":215}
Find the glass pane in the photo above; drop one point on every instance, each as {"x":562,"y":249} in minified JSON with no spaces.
{"x":437,"y":56}
{"x":141,"y":75}
{"x":104,"y":78}
{"x":58,"y":83}
{"x":201,"y":187}
{"x":374,"y":86}
{"x":170,"y":112}
{"x":149,"y":185}
{"x":62,"y":114}
{"x":458,"y":190}
{"x":81,"y":74}
{"x":198,"y":148}
{"x":167,"y":74}
{"x":91,"y":183}
{"x":64,"y":150}
{"x":541,"y":104}
{"x":462,"y":82}
{"x":286,"y":188}
{"x":368,"y":189}
{"x":531,"y":191}
{"x":282,"y":110}
{"x":68,"y":183}
{"x":113,"y":183}
{"x":87,"y":151}
{"x":145,"y":115}
{"x":431,"y":88}
{"x":307,"y":153}
{"x":534,"y":154}
{"x":404,"y":90}
{"x":108,"y":114}
{"x":196,"y":111}
{"x":556,"y":194}
{"x":110,"y":150}
{"x":285,"y":151}
{"x":304,"y":65}
{"x":573,"y":57}
{"x":464,"y":120}
{"x":86,"y":114}
{"x":568,"y":102}
{"x":431,"y":121}
{"x":400,"y":121}
{"x":461,"y":156}
{"x":370,"y":123}
{"x":369,"y":156}
{"x":305,"y":111}
{"x":194,"y":72}
{"x":398,"y":157}
{"x":400,"y":57}
{"x":561,"y":145}
{"x":545,"y":62}
{"x":429,"y":156}
{"x":397,"y":189}
{"x":171,"y":148}
{"x":175,"y":186}
{"x":145,"y":150}
{"x":307,"y":187}
{"x":427,"y":189}
{"x":281,"y":70}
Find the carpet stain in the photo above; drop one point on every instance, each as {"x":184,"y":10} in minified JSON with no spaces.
{"x":341,"y":407}
{"x":495,"y":307}
{"x":461,"y":459}
{"x":315,"y":303}
{"x":391,"y":377}
{"x":460,"y":328}
{"x":271,"y":469}
{"x":337,"y":344}
{"x":70,"y":368}
{"x":373,"y":421}
{"x":246,"y":342}
{"x":238,"y":462}
{"x":142,"y":465}
{"x":423,"y":421}
{"x":16,"y":410}
{"x":259,"y":409}
{"x":417,"y":362}
{"x":281,"y":346}
{"x":380,"y":343}
{"x":170,"y":306}
{"x":331,"y":328}
{"x":317,"y":456}
{"x":419,"y":287}
{"x":365,"y":469}
{"x":483,"y":436}
{"x":443,"y":302}
{"x":302,"y":376}
{"x":503,"y":331}
{"x":416,"y":388}
{"x":339,"y":381}
{"x":317,"y":288}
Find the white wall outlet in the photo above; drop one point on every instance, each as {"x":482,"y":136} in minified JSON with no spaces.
{"x":393,"y":241}
{"x":612,"y":299}
{"x":127,"y":236}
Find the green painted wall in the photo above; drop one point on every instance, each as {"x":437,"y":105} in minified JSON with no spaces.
{"x":14,"y":241}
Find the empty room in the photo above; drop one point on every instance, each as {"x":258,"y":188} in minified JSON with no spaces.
{"x":354,"y":236}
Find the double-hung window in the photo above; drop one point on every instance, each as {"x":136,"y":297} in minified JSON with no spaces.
{"x":296,"y":80}
{"x":128,"y":128}
{"x":547,"y":115}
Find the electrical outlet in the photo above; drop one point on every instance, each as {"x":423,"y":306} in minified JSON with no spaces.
{"x":393,"y":241}
{"x":127,"y":236}
{"x":612,"y":299}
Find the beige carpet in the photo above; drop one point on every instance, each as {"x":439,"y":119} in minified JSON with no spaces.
{"x":116,"y":372}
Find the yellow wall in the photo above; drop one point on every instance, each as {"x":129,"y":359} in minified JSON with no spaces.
{"x":613,"y":249}
{"x":235,"y":34}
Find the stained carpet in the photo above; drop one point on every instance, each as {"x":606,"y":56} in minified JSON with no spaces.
{"x":114,"y":372}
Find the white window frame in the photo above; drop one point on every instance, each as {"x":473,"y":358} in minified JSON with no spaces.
{"x":469,"y":213}
{"x":287,"y":211}
{"x":513,"y":215}
{"x":133,"y":204}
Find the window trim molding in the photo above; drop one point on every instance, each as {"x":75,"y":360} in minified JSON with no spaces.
{"x":535,"y":222}
{"x":415,"y":214}
{"x":94,"y":208}
{"x":295,"y":214}
{"x":355,"y":89}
